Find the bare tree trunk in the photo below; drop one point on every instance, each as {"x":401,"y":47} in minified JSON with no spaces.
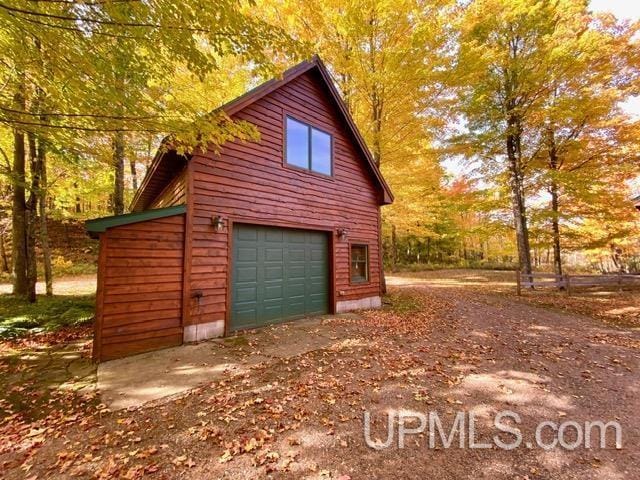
{"x":394,"y":248}
{"x":616,"y":257}
{"x":3,"y":255}
{"x":19,"y":224}
{"x":31,"y":219}
{"x":376,"y":118}
{"x":42,"y":212}
{"x":134,"y":173}
{"x":555,"y":227}
{"x":78,"y":204}
{"x":377,"y":102}
{"x":118,"y":168}
{"x":554,"y":165}
{"x":516,"y":183}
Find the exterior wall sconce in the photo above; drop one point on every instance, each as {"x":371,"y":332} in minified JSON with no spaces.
{"x":342,"y":234}
{"x":218,"y":223}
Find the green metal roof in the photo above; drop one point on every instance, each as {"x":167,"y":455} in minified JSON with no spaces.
{"x":99,"y":225}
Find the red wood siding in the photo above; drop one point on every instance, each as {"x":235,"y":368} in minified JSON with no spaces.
{"x":174,"y":194}
{"x":248,"y":182}
{"x":139,"y":301}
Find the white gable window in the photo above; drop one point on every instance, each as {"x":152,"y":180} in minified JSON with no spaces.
{"x":308,"y":147}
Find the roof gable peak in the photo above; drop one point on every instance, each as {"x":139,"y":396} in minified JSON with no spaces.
{"x":262,"y":90}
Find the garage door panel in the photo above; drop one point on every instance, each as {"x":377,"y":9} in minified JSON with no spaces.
{"x":273,"y":272}
{"x":247,"y":274}
{"x":296,"y":272}
{"x":317,"y":297}
{"x":317,"y":308}
{"x":246,"y":233}
{"x":296,"y":254}
{"x":274,"y":235}
{"x":247,"y":255}
{"x":272,"y":312}
{"x":246,"y":294}
{"x":317,"y":255}
{"x":318,"y":271}
{"x":272,"y":292}
{"x":295,"y":289}
{"x":294,"y":236}
{"x":273,"y":255}
{"x":278,"y":274}
{"x":317,"y":289}
{"x":246,"y":315}
{"x":297,"y":308}
{"x":317,"y":239}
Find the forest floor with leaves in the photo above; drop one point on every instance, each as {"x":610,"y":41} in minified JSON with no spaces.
{"x":434,"y":347}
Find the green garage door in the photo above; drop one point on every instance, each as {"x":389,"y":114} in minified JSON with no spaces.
{"x":278,"y":274}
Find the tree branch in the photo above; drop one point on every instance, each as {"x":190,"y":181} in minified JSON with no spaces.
{"x":105,"y":22}
{"x":6,"y":160}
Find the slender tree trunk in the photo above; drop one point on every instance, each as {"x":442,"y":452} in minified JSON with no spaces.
{"x":118,"y":168}
{"x":554,"y":166}
{"x":394,"y":248}
{"x":3,"y":255}
{"x":78,"y":203}
{"x":376,"y":118}
{"x":31,"y":218}
{"x":134,"y":174}
{"x":19,"y":224}
{"x":42,"y":212}
{"x":377,"y":102}
{"x":516,"y":184}
{"x":555,"y":227}
{"x":428,"y":249}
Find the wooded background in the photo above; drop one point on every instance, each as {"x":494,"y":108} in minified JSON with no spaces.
{"x":523,"y":97}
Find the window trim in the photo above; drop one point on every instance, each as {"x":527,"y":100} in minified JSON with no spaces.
{"x":367,"y":281}
{"x":309,"y":126}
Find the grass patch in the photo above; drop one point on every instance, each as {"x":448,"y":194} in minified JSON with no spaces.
{"x":470,"y":265}
{"x":18,"y":318}
{"x":70,"y":269}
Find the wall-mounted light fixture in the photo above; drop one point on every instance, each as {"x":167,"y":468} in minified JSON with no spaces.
{"x":218,"y":223}
{"x":342,"y":234}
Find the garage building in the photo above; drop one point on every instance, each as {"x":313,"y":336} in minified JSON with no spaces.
{"x":253,"y":234}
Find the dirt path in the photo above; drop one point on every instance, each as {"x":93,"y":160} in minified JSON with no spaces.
{"x":436,"y":349}
{"x":71,"y":285}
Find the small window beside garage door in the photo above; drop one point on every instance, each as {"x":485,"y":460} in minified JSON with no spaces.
{"x":359,"y":263}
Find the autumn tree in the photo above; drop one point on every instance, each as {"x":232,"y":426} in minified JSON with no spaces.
{"x":389,"y":60}
{"x":501,"y":77}
{"x":585,"y":140}
{"x":62,"y":82}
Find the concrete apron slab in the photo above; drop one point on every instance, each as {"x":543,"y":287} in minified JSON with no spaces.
{"x":134,"y":381}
